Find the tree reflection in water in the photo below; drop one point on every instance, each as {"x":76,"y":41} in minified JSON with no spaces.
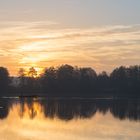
{"x":68,"y":109}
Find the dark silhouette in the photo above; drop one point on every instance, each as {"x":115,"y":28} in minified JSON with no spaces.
{"x":72,"y":92}
{"x":69,"y":81}
{"x":126,"y":81}
{"x":32,"y":72}
{"x":4,"y":81}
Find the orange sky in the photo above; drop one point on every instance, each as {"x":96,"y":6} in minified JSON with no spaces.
{"x":38,"y":44}
{"x":43,"y":33}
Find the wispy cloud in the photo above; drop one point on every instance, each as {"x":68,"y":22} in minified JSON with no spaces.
{"x":45,"y":43}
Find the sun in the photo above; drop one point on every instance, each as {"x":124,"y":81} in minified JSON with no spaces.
{"x":39,"y":71}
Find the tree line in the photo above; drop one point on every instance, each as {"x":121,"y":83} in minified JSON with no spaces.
{"x":69,"y":81}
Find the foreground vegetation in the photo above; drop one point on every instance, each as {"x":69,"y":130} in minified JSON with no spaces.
{"x":69,"y":81}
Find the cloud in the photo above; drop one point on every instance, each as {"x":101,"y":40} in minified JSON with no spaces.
{"x":46,"y":43}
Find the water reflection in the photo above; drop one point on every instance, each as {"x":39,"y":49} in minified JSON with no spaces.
{"x":68,"y":109}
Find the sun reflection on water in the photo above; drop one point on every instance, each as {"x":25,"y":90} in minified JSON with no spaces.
{"x":26,"y":121}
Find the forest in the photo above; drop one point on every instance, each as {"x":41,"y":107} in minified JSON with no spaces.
{"x":69,"y":81}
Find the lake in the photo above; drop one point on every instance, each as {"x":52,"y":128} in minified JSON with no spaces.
{"x":69,"y":119}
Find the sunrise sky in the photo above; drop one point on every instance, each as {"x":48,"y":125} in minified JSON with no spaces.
{"x":102,"y":34}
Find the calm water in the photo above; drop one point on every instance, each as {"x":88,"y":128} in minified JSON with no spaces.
{"x":69,"y":119}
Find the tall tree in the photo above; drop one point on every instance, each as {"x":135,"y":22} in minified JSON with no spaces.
{"x":32,"y":72}
{"x":4,"y":80}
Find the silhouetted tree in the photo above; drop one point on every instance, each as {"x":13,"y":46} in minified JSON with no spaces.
{"x":87,"y":80}
{"x":66,"y":80}
{"x":126,"y":81}
{"x":119,"y":79}
{"x":103,"y":82}
{"x":48,"y":80}
{"x":32,"y":72}
{"x":22,"y":72}
{"x":133,"y":79}
{"x":29,"y":83}
{"x":4,"y":80}
{"x":22,"y":80}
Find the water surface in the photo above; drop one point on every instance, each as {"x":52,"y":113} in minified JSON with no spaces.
{"x":69,"y":119}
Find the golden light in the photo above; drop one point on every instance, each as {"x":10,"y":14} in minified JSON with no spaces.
{"x":32,"y":71}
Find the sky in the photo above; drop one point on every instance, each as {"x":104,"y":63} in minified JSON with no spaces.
{"x":102,"y":34}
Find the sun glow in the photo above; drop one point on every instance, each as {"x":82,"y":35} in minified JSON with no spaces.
{"x":31,"y":71}
{"x":34,"y":46}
